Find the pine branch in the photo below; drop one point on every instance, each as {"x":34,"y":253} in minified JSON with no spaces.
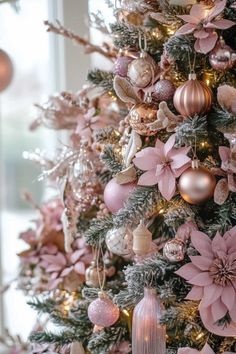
{"x":128,"y":36}
{"x":110,"y":159}
{"x":191,"y":130}
{"x":103,"y":341}
{"x":60,"y":339}
{"x":44,"y":305}
{"x":95,"y":235}
{"x":222,"y":120}
{"x":101,"y":78}
{"x":107,"y":135}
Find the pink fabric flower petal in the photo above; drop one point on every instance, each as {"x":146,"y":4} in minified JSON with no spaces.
{"x":224,"y":153}
{"x":202,"y":243}
{"x":148,"y":178}
{"x":218,"y":245}
{"x":169,"y":144}
{"x":190,"y":19}
{"x":178,"y":172}
{"x":146,"y":159}
{"x":207,"y":44}
{"x":167,"y":184}
{"x":188,"y":271}
{"x":185,"y":29}
{"x":220,"y":24}
{"x":216,"y":10}
{"x":201,"y":262}
{"x":179,"y":161}
{"x":159,"y":144}
{"x":187,"y":350}
{"x":201,"y":279}
{"x":53,"y":268}
{"x":232,"y":312}
{"x":201,"y":34}
{"x":206,"y":349}
{"x":80,"y":268}
{"x":198,"y":11}
{"x":195,"y":294}
{"x":75,"y":256}
{"x":211,"y":294}
{"x":66,"y":271}
{"x":228,"y":297}
{"x":218,"y":310}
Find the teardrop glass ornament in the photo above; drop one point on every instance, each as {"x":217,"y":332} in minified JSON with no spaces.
{"x":148,"y":335}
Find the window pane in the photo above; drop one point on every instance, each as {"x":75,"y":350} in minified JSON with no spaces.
{"x":24,"y":38}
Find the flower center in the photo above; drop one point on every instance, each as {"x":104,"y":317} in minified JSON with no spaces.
{"x":223,"y":271}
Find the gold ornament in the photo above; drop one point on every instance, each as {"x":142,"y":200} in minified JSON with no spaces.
{"x":94,"y":275}
{"x":141,"y":115}
{"x":196,"y":184}
{"x":142,"y":240}
{"x":192,"y":97}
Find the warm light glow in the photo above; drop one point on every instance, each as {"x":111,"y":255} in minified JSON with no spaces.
{"x":161,"y":211}
{"x":125,"y":312}
{"x":199,"y":336}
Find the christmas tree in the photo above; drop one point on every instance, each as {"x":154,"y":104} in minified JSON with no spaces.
{"x":137,"y":253}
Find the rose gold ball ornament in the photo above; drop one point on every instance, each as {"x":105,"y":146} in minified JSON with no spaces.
{"x":192,"y":97}
{"x":94,"y":274}
{"x":102,"y":312}
{"x":164,"y":90}
{"x":222,"y":56}
{"x":6,"y":70}
{"x":174,"y":250}
{"x":115,"y":194}
{"x":196,"y":184}
{"x":142,"y":71}
{"x":141,"y":115}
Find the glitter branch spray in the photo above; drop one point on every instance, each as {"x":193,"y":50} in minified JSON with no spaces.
{"x":148,"y":335}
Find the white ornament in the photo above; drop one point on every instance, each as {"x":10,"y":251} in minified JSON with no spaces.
{"x":119,"y":242}
{"x":142,"y":240}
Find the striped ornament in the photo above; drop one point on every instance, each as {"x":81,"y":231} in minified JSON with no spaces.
{"x":192,"y":97}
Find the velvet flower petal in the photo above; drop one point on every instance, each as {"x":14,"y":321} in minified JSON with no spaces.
{"x":213,"y":276}
{"x":163,"y":164}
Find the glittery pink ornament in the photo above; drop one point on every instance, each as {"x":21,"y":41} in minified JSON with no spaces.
{"x":164,"y":90}
{"x":102,"y":312}
{"x":115,"y":194}
{"x":121,"y":65}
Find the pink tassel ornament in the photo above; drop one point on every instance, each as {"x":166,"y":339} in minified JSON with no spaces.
{"x":148,"y":335}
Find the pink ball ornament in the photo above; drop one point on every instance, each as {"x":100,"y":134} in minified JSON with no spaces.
{"x":121,"y":65}
{"x":102,"y":312}
{"x":164,"y":90}
{"x":115,"y":194}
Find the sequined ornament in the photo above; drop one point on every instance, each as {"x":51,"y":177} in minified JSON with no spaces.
{"x":148,"y":335}
{"x":142,"y":71}
{"x":222,"y":57}
{"x":94,"y":275}
{"x":83,"y":179}
{"x":174,"y":250}
{"x":119,"y":242}
{"x":196,"y":184}
{"x":115,"y":194}
{"x":6,"y":70}
{"x":102,"y":311}
{"x":141,"y":115}
{"x":192,"y":97}
{"x":121,"y":65}
{"x":142,"y":240}
{"x":164,"y":90}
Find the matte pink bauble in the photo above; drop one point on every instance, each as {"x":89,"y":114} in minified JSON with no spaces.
{"x":121,"y":65}
{"x":115,"y":194}
{"x":102,"y":312}
{"x":6,"y":70}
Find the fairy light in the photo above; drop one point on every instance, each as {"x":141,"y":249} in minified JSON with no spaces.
{"x":161,"y":211}
{"x":126,"y":313}
{"x":200,"y":335}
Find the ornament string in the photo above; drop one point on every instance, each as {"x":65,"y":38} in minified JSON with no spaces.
{"x":192,"y":66}
{"x":101,"y":281}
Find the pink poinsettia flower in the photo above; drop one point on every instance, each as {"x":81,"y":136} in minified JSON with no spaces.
{"x":89,"y":122}
{"x":73,"y":265}
{"x":213,"y":276}
{"x":205,"y":350}
{"x":203,"y":22}
{"x":163,"y":164}
{"x":228,"y":183}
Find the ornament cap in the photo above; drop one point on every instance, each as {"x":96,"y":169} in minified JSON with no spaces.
{"x":192,"y":76}
{"x":195,"y":163}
